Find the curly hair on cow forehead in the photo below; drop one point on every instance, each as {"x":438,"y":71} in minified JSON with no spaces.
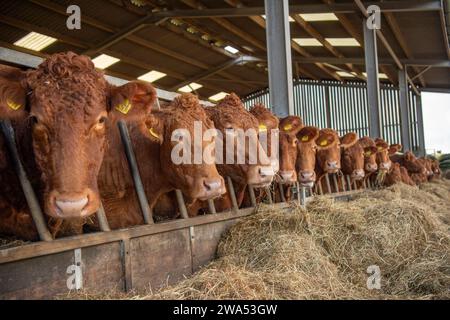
{"x":232,"y":110}
{"x":66,"y":67}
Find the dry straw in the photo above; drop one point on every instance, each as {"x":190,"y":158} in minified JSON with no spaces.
{"x":323,"y":252}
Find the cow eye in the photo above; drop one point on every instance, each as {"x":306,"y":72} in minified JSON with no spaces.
{"x":102,"y":120}
{"x":34,"y":120}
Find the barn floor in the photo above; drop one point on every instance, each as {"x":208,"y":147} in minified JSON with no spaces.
{"x":324,"y":252}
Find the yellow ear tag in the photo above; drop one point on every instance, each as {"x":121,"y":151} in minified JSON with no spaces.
{"x":323,"y":143}
{"x":305,"y":138}
{"x":380,"y":148}
{"x":287,"y":127}
{"x":124,"y":107}
{"x":368,"y":154}
{"x":153,"y":133}
{"x":262,"y":128}
{"x":13,"y":106}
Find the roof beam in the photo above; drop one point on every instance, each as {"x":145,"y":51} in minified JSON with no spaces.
{"x":396,"y":30}
{"x":387,"y":6}
{"x":213,"y":71}
{"x":434,"y":63}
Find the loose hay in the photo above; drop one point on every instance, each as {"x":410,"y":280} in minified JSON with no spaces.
{"x":323,"y":252}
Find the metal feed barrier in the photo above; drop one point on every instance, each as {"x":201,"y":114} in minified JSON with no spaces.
{"x":133,"y":258}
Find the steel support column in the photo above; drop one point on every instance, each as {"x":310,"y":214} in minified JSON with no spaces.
{"x":405,"y":125}
{"x":422,"y":149}
{"x":279,"y":57}
{"x":373,"y":82}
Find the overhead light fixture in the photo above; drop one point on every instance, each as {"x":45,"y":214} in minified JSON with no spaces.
{"x":343,"y":42}
{"x":380,"y":76}
{"x":231,"y":49}
{"x":307,"y":42}
{"x":219,"y":96}
{"x":152,"y":76}
{"x":35,"y":41}
{"x":190,"y":87}
{"x":103,"y":61}
{"x":344,"y":74}
{"x":310,"y":17}
{"x":290,"y":18}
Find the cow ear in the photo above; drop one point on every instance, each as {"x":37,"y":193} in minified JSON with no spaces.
{"x":13,"y":97}
{"x":154,"y":127}
{"x":291,"y":124}
{"x":381,"y":145}
{"x":308,"y":134}
{"x":350,"y":139}
{"x":369,"y":151}
{"x":325,"y":140}
{"x":393,"y":149}
{"x":133,"y":100}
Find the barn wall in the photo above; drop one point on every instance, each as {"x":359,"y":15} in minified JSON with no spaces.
{"x":348,"y":108}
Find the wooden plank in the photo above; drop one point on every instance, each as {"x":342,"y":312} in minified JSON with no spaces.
{"x":160,"y":259}
{"x":205,"y":239}
{"x":47,"y":276}
{"x":41,"y":248}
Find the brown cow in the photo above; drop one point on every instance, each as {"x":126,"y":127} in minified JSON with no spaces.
{"x":435,"y":166}
{"x":370,"y":155}
{"x":154,"y":137}
{"x":306,"y":156}
{"x":289,"y":127}
{"x":59,"y":112}
{"x":416,"y":170}
{"x":383,"y":161}
{"x":268,"y":123}
{"x":352,"y":158}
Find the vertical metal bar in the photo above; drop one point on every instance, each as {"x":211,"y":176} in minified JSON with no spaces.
{"x":335,"y":183}
{"x":181,"y":204}
{"x":251,"y":191}
{"x":327,"y":180}
{"x":143,"y":202}
{"x":279,"y":57}
{"x":280,"y":187}
{"x":320,"y":187}
{"x":349,"y":183}
{"x":211,"y":206}
{"x":303,"y":196}
{"x":30,"y":196}
{"x":269,"y":195}
{"x":343,"y":183}
{"x":232,"y":195}
{"x":125,"y":253}
{"x":373,"y":82}
{"x":102,"y":220}
{"x":327,"y":107}
{"x":422,"y":148}
{"x":405,"y":125}
{"x":299,"y":196}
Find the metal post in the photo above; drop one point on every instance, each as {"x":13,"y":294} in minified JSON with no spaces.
{"x":102,"y":220}
{"x":349,"y":183}
{"x":280,"y":187}
{"x":30,"y":196}
{"x":143,"y":202}
{"x":211,"y":206}
{"x":405,"y":125}
{"x":279,"y":57}
{"x":269,"y":195}
{"x":373,"y":82}
{"x":181,"y":204}
{"x":327,"y":180}
{"x":422,"y":150}
{"x":303,"y":196}
{"x":251,"y":191}
{"x":232,"y":195}
{"x":327,"y":106}
{"x":335,"y":183}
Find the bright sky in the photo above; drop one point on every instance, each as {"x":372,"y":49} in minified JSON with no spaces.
{"x":436,"y":117}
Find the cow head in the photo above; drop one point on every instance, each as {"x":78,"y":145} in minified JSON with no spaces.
{"x":426,"y":163}
{"x":383,"y":160}
{"x":435,"y":166}
{"x":289,"y":127}
{"x":413,"y":165}
{"x":66,"y":103}
{"x":352,"y":157}
{"x":328,"y":151}
{"x":268,"y":124}
{"x":394,"y":176}
{"x":230,"y":118}
{"x":179,"y":128}
{"x":370,"y":154}
{"x":306,"y":155}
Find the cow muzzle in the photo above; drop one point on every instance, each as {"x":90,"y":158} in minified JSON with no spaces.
{"x":358,"y":174}
{"x":287,"y":177}
{"x":307,"y":178}
{"x":260,"y":176}
{"x":371,"y":167}
{"x":69,"y":206}
{"x":210,"y":189}
{"x":385,"y":166}
{"x":332,"y":166}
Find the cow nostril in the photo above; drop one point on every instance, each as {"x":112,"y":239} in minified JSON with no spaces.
{"x":71,"y":206}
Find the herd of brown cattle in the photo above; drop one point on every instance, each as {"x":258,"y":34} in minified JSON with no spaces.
{"x":65,"y":118}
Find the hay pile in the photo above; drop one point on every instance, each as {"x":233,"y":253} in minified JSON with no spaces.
{"x":323,"y":252}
